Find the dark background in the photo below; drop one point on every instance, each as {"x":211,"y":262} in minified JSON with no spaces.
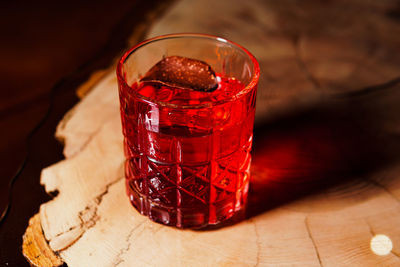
{"x":47,"y":48}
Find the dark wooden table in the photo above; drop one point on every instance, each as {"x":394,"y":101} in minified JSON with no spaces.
{"x":47,"y":49}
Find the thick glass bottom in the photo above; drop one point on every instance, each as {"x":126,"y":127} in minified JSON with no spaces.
{"x":198,"y":217}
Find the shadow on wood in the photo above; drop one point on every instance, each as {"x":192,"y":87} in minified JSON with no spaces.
{"x":339,"y":141}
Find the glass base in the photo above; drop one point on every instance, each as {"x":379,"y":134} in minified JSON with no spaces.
{"x":228,"y":210}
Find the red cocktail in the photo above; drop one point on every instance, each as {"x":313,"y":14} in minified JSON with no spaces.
{"x":188,"y":151}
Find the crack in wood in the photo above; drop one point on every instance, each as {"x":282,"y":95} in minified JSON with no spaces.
{"x":386,"y":190}
{"x":99,"y":198}
{"x":88,"y":217}
{"x":67,"y":148}
{"x":302,"y":65}
{"x":372,"y":89}
{"x":257,"y":242}
{"x":312,"y":240}
{"x":123,"y":251}
{"x":370,"y":227}
{"x":70,"y":229}
{"x":91,"y":210}
{"x":369,"y":55}
{"x":70,"y":244}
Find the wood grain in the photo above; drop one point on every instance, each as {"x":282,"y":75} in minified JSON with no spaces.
{"x":325,"y":170}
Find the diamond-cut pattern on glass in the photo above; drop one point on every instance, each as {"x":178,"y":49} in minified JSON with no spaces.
{"x":226,"y":174}
{"x":161,"y":184}
{"x":195,"y":182}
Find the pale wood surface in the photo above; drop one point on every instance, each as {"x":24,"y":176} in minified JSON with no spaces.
{"x":312,"y":131}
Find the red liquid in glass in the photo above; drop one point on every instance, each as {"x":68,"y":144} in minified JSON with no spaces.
{"x":187,"y":152}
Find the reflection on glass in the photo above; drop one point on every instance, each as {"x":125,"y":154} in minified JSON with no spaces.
{"x":381,"y":245}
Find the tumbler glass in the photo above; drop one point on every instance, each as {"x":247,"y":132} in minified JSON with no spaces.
{"x":188,"y":152}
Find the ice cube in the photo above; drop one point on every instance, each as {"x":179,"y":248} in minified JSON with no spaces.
{"x":183,"y":72}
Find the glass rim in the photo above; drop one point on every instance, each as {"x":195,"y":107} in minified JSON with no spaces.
{"x":250,"y":85}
